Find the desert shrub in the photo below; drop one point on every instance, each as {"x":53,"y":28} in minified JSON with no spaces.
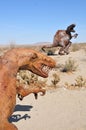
{"x":55,"y":80}
{"x":26,"y":77}
{"x":70,"y":65}
{"x":69,"y":86}
{"x":80,"y":82}
{"x":59,"y":67}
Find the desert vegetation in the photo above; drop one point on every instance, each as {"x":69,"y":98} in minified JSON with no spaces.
{"x":66,"y":89}
{"x":70,"y":65}
{"x":67,"y":63}
{"x":80,"y":82}
{"x":55,"y":80}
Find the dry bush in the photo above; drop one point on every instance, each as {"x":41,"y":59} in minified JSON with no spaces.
{"x":70,"y":65}
{"x":55,"y":80}
{"x":26,"y":77}
{"x":59,"y":67}
{"x":79,"y":83}
{"x":69,"y":86}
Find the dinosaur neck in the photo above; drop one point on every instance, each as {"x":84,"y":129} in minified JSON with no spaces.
{"x":9,"y":67}
{"x":12,"y":67}
{"x":69,"y":33}
{"x":15,"y":59}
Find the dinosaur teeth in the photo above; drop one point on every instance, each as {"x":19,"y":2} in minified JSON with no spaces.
{"x":45,"y":69}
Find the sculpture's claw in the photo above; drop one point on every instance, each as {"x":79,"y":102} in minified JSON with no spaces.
{"x":43,"y":92}
{"x":36,"y":95}
{"x":20,"y":97}
{"x":75,"y":36}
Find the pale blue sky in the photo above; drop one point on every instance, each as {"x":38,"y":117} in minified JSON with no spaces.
{"x":31,"y":21}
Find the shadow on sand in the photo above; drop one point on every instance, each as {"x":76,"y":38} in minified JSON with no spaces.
{"x":17,"y":117}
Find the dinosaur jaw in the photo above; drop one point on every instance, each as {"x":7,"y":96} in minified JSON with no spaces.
{"x":73,"y":30}
{"x":42,"y":71}
{"x":40,"y":66}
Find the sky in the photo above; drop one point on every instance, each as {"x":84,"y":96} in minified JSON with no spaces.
{"x":33,"y":21}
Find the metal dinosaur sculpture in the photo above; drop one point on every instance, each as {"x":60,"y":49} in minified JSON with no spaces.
{"x":10,"y":63}
{"x":62,"y":39}
{"x":23,"y":90}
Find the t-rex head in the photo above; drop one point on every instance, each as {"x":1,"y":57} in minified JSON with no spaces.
{"x":37,"y":63}
{"x":71,"y":27}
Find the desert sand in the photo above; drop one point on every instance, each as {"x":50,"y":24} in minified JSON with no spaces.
{"x":57,"y":110}
{"x":60,"y":108}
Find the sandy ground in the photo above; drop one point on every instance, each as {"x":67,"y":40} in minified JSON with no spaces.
{"x":59,"y":109}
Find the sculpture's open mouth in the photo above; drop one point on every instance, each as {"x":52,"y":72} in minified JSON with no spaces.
{"x":39,"y":67}
{"x":72,"y":30}
{"x":45,"y":69}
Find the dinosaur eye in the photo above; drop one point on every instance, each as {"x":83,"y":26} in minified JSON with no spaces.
{"x":34,"y":56}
